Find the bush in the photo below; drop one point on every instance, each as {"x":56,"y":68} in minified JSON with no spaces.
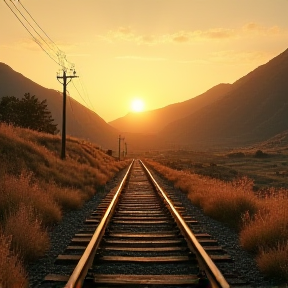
{"x":29,"y":239}
{"x":260,"y":154}
{"x":66,"y":198}
{"x":269,"y":226}
{"x":10,"y":266}
{"x":17,"y":190}
{"x":274,"y":262}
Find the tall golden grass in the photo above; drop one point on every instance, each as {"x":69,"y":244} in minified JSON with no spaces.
{"x":29,"y":239}
{"x":12,"y":273}
{"x":261,"y":220}
{"x":17,"y":190}
{"x":37,"y":188}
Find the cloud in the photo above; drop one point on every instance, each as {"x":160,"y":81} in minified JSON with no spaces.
{"x":127,"y":34}
{"x":28,"y":44}
{"x":190,"y":36}
{"x":255,"y":28}
{"x":199,"y":35}
{"x":180,"y":37}
{"x":122,"y":33}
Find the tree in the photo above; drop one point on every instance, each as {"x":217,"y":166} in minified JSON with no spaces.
{"x":27,"y":112}
{"x":9,"y":110}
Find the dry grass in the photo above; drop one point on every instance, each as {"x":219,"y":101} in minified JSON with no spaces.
{"x":274,"y":261}
{"x":269,"y":226}
{"x":12,"y":274}
{"x":37,"y":187}
{"x":266,"y":234}
{"x":66,"y":198}
{"x":15,"y":191}
{"x":224,"y":201}
{"x":262,"y":220}
{"x":29,"y":240}
{"x":23,"y":149}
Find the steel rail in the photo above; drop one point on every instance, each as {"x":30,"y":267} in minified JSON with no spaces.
{"x":214,"y":275}
{"x":78,"y":276}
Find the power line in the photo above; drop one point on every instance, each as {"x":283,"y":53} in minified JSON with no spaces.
{"x":35,"y":39}
{"x":62,"y":60}
{"x":51,"y":48}
{"x":79,"y":93}
{"x":39,"y":26}
{"x":59,"y":53}
{"x":33,"y":27}
{"x":85,"y":91}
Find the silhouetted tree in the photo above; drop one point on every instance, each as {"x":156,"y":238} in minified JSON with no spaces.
{"x":27,"y":112}
{"x":9,"y":110}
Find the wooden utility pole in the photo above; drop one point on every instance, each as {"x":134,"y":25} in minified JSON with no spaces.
{"x":120,"y":146}
{"x":65,"y":83}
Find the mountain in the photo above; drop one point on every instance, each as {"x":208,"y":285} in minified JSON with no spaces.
{"x":153,"y":121}
{"x":251,"y":110}
{"x":80,"y":121}
{"x":254,"y":110}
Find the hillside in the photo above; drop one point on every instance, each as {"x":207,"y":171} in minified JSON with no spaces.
{"x":155,"y":120}
{"x":81,"y":122}
{"x":249,"y":111}
{"x":38,"y":189}
{"x":278,"y":143}
{"x":254,"y":110}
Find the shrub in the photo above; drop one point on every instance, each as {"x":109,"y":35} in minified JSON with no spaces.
{"x":17,"y":190}
{"x":66,"y":198}
{"x":29,"y":239}
{"x":269,"y":226}
{"x":274,"y":261}
{"x":260,"y":154}
{"x":10,"y":266}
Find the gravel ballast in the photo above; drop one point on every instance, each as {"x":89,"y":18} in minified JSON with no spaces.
{"x":62,"y":233}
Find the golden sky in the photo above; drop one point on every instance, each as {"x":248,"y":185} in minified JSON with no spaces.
{"x":162,"y":51}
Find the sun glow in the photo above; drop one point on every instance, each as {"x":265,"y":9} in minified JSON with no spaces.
{"x":137,"y":105}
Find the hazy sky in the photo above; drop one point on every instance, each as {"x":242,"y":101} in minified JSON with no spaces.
{"x":162,"y":51}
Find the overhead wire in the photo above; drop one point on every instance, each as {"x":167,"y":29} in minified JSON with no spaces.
{"x":83,"y":127}
{"x":89,"y":115}
{"x":79,"y":92}
{"x":35,"y":39}
{"x":39,"y":26}
{"x":52,"y":47}
{"x":62,"y":60}
{"x":33,"y":27}
{"x":85,"y":90}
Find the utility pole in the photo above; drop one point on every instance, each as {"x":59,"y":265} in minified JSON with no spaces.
{"x":65,"y":83}
{"x":125,"y":148}
{"x":120,"y":146}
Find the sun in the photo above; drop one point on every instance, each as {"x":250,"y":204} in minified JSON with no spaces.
{"x":137,"y":105}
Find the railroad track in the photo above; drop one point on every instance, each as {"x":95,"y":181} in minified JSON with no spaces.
{"x":140,"y":237}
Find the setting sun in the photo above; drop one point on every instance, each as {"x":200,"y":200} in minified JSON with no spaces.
{"x":137,"y":105}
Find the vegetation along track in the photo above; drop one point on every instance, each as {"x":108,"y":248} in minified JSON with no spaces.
{"x":140,"y":237}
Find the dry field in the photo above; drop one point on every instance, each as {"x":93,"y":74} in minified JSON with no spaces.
{"x":269,"y":169}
